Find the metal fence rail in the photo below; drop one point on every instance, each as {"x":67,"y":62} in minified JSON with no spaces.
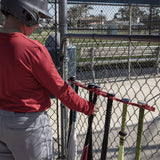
{"x":141,"y":82}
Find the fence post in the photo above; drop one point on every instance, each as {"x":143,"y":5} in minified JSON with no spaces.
{"x":129,"y":45}
{"x":157,"y":62}
{"x":64,"y":109}
{"x":92,"y":64}
{"x":63,"y":17}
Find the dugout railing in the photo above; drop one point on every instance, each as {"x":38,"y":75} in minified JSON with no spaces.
{"x":141,"y":82}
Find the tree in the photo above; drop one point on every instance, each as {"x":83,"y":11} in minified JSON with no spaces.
{"x":123,"y":14}
{"x":152,"y":19}
{"x":76,"y":13}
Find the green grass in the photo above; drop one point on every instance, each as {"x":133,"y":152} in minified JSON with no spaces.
{"x":41,"y":36}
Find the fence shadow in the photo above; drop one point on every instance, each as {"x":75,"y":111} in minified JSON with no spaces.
{"x":150,"y":142}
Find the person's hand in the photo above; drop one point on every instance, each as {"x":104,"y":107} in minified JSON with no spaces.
{"x":95,"y":110}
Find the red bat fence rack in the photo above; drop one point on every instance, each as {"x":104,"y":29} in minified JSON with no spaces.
{"x":99,"y":92}
{"x":142,"y":106}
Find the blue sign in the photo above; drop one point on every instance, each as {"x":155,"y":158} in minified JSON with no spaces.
{"x":148,"y":2}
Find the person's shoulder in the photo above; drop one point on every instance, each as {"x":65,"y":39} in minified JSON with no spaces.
{"x":32,"y":42}
{"x":32,"y":46}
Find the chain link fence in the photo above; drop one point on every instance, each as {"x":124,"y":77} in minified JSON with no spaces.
{"x":129,"y":68}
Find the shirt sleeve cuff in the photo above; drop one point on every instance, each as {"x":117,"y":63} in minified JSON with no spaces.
{"x":90,"y":110}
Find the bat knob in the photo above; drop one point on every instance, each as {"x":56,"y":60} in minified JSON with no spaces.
{"x":91,"y":85}
{"x":125,"y":100}
{"x":72,"y":78}
{"x":141,"y":102}
{"x":96,"y":86}
{"x":110,"y":94}
{"x":122,"y":133}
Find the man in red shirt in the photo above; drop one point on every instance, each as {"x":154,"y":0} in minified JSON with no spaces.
{"x":27,"y":77}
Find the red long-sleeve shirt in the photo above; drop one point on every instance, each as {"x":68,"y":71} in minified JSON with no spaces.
{"x":28,"y":76}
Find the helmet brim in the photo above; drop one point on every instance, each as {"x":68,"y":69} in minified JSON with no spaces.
{"x":45,"y":15}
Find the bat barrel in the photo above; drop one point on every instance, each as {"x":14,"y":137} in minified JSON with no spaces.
{"x":71,"y":112}
{"x":72,"y":78}
{"x":107,"y":126}
{"x":72,"y":142}
{"x":140,"y":130}
{"x":123,"y":133}
{"x":93,"y":99}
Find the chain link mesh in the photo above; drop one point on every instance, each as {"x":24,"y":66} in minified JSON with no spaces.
{"x":109,"y":69}
{"x":127,"y":68}
{"x":107,"y":18}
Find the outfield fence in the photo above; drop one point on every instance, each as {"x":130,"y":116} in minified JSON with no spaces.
{"x":110,"y":17}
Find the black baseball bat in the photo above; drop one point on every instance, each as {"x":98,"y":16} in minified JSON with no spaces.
{"x":107,"y":126}
{"x":71,"y":111}
{"x":87,"y":151}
